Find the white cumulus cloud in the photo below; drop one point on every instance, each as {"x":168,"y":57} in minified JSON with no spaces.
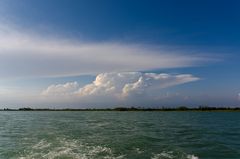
{"x":122,"y":86}
{"x":61,"y":89}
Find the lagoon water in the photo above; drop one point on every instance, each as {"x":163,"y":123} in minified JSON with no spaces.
{"x":120,"y":135}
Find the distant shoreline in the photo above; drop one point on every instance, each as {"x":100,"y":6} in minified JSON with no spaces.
{"x":165,"y":109}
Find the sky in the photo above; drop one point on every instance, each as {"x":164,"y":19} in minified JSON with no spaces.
{"x":103,"y":54}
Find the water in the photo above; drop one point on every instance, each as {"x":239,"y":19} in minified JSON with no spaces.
{"x":119,"y":135}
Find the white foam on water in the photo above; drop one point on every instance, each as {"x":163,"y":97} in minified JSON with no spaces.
{"x":192,"y":157}
{"x":68,"y":148}
{"x":163,"y":155}
{"x":138,"y":150}
{"x":76,"y":149}
{"x":172,"y":155}
{"x":42,"y":145}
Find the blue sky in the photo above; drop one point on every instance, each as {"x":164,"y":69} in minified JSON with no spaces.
{"x":52,"y":51}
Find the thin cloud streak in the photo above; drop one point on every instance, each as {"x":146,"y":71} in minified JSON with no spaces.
{"x":27,"y":54}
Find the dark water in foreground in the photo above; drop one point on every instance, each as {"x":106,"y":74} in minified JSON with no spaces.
{"x":120,"y":135}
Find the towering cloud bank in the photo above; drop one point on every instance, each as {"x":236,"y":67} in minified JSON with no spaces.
{"x":120,"y":86}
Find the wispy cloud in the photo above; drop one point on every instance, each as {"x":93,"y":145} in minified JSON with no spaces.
{"x":238,"y":96}
{"x":27,"y":54}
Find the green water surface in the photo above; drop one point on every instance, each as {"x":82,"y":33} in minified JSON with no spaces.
{"x":120,"y":135}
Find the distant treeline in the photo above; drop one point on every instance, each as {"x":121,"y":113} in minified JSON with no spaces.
{"x":182,"y":108}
